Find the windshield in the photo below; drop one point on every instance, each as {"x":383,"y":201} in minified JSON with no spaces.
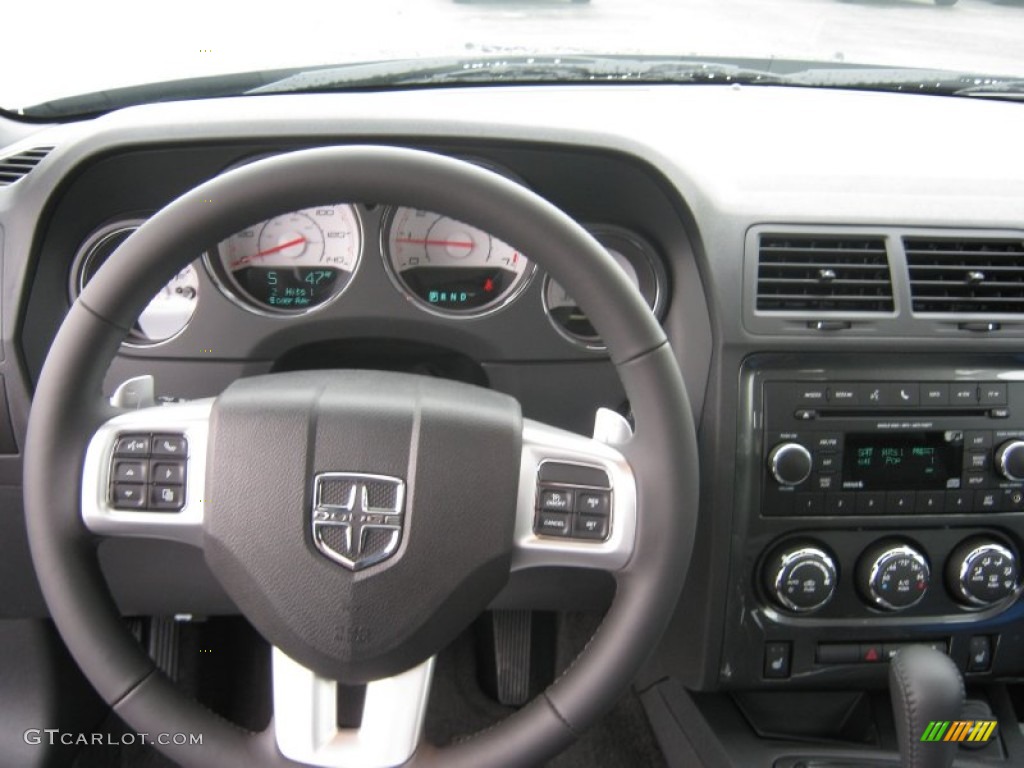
{"x":100,"y":46}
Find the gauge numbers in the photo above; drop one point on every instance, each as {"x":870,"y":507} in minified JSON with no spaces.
{"x":167,"y":314}
{"x":451,"y":268}
{"x":293,"y":263}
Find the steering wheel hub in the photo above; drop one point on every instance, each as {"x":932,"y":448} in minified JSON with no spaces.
{"x":305,"y":462}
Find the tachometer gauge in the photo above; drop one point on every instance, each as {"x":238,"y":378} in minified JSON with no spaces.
{"x":451,"y":268}
{"x":641,"y":265}
{"x":170,"y":310}
{"x":290,"y":264}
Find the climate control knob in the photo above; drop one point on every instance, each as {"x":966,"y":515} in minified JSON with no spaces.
{"x":981,"y":572}
{"x":893,"y":576}
{"x":790,"y":463}
{"x":1010,"y":460}
{"x":800,"y":578}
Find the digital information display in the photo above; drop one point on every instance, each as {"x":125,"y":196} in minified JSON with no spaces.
{"x":908,"y":461}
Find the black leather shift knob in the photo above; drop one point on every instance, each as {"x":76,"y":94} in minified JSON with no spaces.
{"x":925,"y":685}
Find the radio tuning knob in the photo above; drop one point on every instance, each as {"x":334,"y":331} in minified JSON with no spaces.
{"x":1010,"y":460}
{"x":800,"y":578}
{"x":790,"y":463}
{"x":982,"y":572}
{"x":893,"y":576}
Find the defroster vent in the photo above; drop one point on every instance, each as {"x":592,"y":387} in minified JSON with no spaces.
{"x":966,"y":275}
{"x":16,"y":167}
{"x":823,"y":273}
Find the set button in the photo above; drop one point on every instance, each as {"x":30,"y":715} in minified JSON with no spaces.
{"x":578,"y":513}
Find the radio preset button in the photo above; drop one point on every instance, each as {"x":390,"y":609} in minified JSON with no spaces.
{"x":934,"y":394}
{"x":809,"y":504}
{"x":870,"y":503}
{"x":899,"y":502}
{"x":958,"y":501}
{"x":841,"y":504}
{"x":930,"y":502}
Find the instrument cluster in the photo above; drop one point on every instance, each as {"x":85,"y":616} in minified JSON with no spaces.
{"x":302,"y":261}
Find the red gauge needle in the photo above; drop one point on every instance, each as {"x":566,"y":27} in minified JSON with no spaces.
{"x":277,"y":248}
{"x":446,"y":243}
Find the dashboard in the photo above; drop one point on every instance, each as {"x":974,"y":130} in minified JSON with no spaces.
{"x":839,"y":273}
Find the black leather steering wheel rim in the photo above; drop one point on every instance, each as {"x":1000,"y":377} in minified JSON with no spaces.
{"x":69,"y":406}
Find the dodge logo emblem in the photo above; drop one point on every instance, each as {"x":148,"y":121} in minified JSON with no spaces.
{"x":357,"y":518}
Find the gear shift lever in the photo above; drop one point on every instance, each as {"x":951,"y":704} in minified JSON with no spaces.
{"x":925,"y":685}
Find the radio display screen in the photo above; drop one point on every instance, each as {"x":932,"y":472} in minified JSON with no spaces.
{"x":907,"y":461}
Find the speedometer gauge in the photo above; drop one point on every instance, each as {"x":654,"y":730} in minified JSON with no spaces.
{"x":290,"y":264}
{"x":449,"y":267}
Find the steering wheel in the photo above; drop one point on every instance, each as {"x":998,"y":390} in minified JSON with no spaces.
{"x":359,"y":520}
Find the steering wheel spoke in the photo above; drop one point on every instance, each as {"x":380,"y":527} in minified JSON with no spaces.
{"x":306,"y":717}
{"x":577,"y":502}
{"x":144,"y":473}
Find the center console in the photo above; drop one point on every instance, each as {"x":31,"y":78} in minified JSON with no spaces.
{"x":880,"y":503}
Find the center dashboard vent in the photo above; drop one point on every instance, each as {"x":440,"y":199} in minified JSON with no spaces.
{"x":823,"y":273}
{"x":16,"y":167}
{"x":966,"y":275}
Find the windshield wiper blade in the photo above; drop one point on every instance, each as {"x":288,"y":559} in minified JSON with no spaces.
{"x":519,"y":69}
{"x":909,"y":80}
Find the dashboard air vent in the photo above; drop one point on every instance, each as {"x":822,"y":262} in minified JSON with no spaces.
{"x":823,"y":273}
{"x":966,"y":275}
{"x":17,"y":166}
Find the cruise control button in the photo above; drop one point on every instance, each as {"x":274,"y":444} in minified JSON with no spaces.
{"x":129,"y":471}
{"x":593,"y":502}
{"x":168,"y":472}
{"x":166,"y":497}
{"x":169,"y":445}
{"x":129,"y":496}
{"x":590,"y":527}
{"x":556,"y":501}
{"x":132,"y":445}
{"x":552,"y":524}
